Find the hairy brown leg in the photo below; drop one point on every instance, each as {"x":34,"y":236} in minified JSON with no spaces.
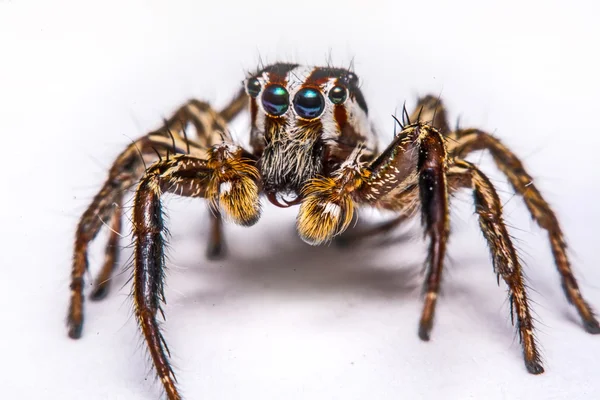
{"x":434,"y":200}
{"x":111,"y":256}
{"x":216,"y":240}
{"x":471,"y":140}
{"x":128,"y":167}
{"x":216,"y":247}
{"x":416,"y":160}
{"x":235,"y":106}
{"x":436,"y":219}
{"x":191,"y":177}
{"x":148,"y":276}
{"x":121,"y":176}
{"x":504,"y":256}
{"x":431,"y":110}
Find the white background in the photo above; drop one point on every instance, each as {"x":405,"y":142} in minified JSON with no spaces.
{"x":280,"y":319}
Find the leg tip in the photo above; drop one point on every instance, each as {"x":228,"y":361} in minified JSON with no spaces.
{"x":424,"y":332}
{"x":592,"y":327}
{"x":75,"y":329}
{"x":100,"y":292}
{"x":534,"y":367}
{"x":215,"y":251}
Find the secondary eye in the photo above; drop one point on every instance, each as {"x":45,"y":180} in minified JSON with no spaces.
{"x":338,"y":94}
{"x":253,"y":87}
{"x":309,"y":103}
{"x":276,"y":100}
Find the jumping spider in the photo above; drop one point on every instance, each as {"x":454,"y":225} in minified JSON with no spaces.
{"x":313,"y":146}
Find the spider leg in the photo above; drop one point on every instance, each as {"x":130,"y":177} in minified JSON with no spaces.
{"x":472,"y":140}
{"x":122,"y":175}
{"x":436,"y":219}
{"x":216,"y":240}
{"x":111,"y":255}
{"x":235,"y":106}
{"x":435,"y":212}
{"x":128,"y":167}
{"x":504,"y":256}
{"x":416,"y":158}
{"x":211,"y":129}
{"x":228,"y":183}
{"x":431,"y":110}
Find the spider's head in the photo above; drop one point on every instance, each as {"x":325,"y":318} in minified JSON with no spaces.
{"x":298,"y":114}
{"x":298,"y":96}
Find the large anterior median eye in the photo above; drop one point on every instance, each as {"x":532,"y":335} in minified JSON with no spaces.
{"x":309,"y":103}
{"x":275,"y":100}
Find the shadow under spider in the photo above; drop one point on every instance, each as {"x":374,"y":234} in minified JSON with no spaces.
{"x":290,"y":268}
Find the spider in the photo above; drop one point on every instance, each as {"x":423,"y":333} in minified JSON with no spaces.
{"x":311,"y":144}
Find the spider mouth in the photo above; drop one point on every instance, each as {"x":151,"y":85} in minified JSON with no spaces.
{"x":277,"y":199}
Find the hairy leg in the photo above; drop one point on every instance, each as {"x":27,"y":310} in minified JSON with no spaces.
{"x":436,"y":219}
{"x":191,"y":177}
{"x":504,"y":256}
{"x":128,"y":167}
{"x":111,"y":255}
{"x":464,"y":141}
{"x":414,"y":161}
{"x":429,"y":110}
{"x":472,"y":140}
{"x":121,"y":176}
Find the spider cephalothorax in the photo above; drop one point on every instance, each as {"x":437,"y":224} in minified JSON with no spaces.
{"x":310,"y":139}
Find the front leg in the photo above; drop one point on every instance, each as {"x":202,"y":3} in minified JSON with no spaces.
{"x":416,"y":160}
{"x":129,"y":166}
{"x":229,"y":183}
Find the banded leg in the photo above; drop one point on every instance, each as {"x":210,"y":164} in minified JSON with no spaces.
{"x":127,"y":168}
{"x":415,"y":160}
{"x":435,"y":211}
{"x":122,"y":175}
{"x":504,"y":256}
{"x":472,"y":140}
{"x":111,"y":255}
{"x":190,"y":177}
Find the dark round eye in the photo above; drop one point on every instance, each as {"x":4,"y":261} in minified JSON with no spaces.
{"x":253,"y":87}
{"x":309,"y":103}
{"x":276,"y":100}
{"x":338,"y":94}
